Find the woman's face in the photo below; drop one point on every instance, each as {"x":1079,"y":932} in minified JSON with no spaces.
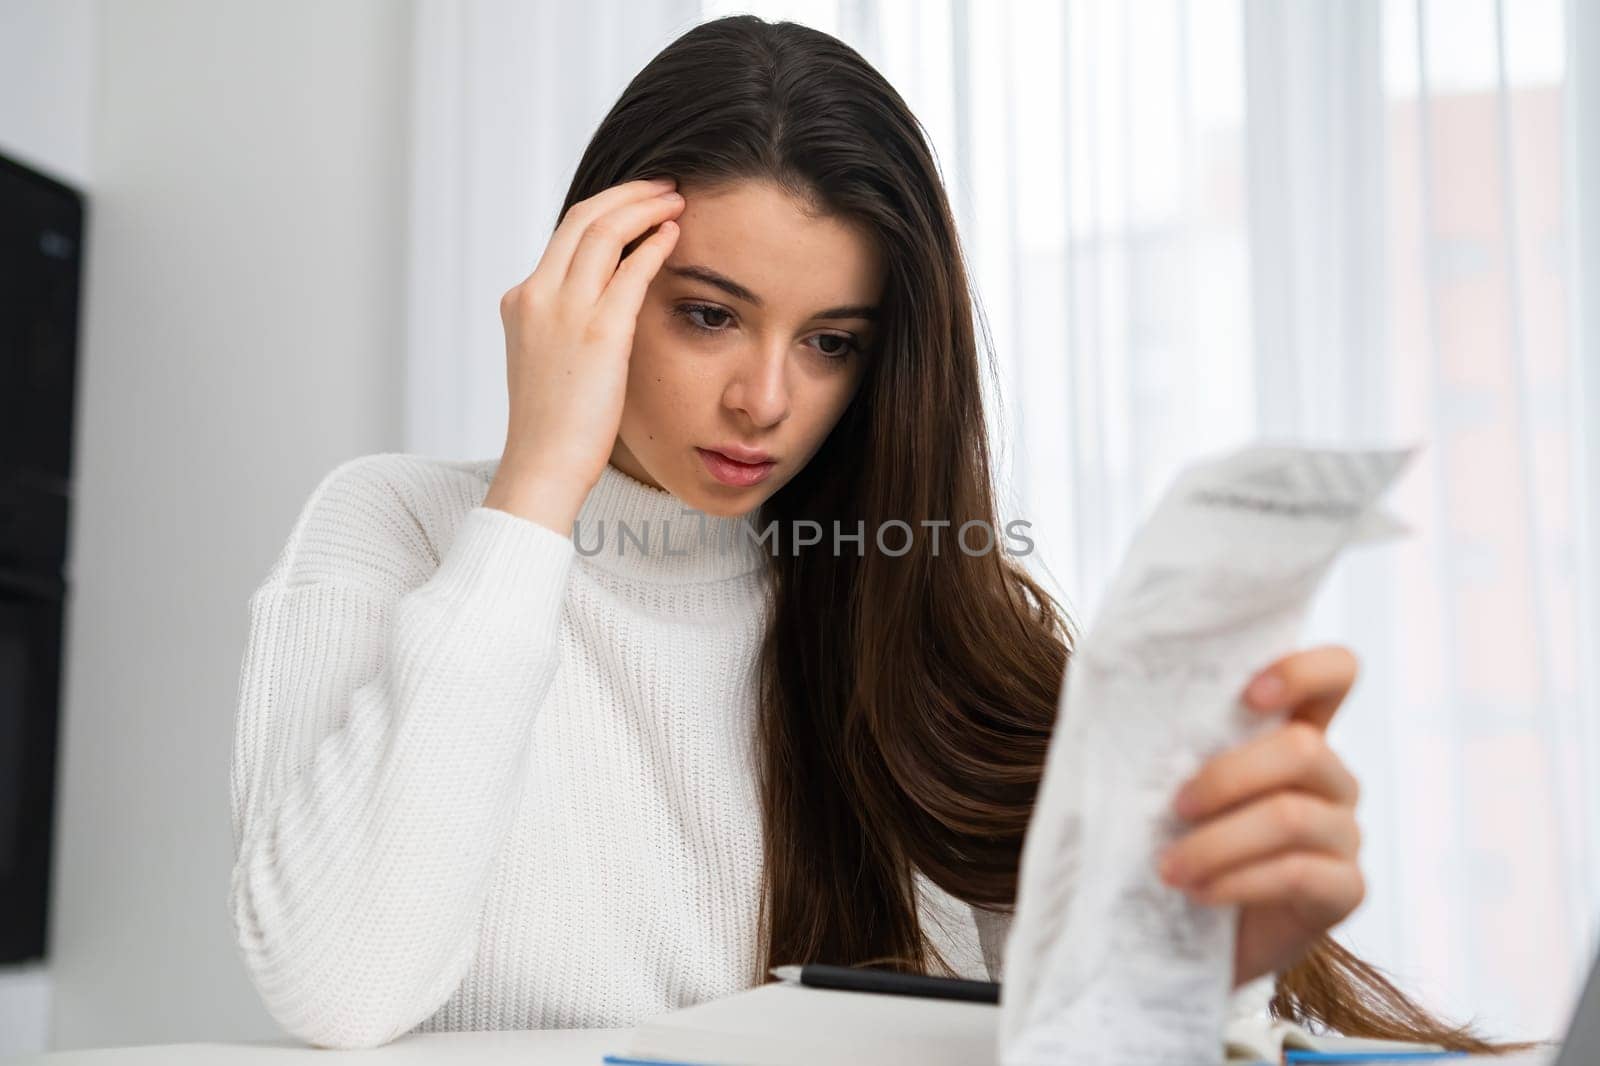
{"x":748,"y":338}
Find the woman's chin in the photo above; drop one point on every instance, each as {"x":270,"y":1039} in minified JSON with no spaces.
{"x":715,"y":508}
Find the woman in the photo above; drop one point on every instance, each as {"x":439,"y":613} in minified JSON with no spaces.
{"x":493,"y":770}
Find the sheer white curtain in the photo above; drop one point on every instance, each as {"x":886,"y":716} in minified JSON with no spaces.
{"x":1195,"y":223}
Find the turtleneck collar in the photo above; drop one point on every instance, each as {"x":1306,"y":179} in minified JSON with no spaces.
{"x":638,"y":531}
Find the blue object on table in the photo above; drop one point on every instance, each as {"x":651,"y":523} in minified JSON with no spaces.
{"x":1296,"y":1056}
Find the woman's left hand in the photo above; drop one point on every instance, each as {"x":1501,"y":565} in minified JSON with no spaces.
{"x":1276,"y":828}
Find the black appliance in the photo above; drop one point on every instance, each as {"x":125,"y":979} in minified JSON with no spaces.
{"x":41,"y":257}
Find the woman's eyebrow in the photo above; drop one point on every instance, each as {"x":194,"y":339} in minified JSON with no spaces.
{"x":739,"y":292}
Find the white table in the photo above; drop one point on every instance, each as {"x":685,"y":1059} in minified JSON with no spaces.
{"x":547,"y":1047}
{"x":538,"y":1047}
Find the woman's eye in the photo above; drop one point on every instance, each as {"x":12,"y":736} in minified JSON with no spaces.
{"x":845,"y":345}
{"x":688,"y":311}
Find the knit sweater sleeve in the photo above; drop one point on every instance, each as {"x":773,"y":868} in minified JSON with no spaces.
{"x":1248,"y":1000}
{"x":385,"y":708}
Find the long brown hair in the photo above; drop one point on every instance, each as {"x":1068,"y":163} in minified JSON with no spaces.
{"x":906,"y":701}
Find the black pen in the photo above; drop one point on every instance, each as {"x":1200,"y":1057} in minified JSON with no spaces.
{"x":862,"y":979}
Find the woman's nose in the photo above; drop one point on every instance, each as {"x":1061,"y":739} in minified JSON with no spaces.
{"x":761,"y":388}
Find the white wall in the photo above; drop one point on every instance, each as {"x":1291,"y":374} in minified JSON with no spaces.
{"x":242,"y":335}
{"x":47,"y":84}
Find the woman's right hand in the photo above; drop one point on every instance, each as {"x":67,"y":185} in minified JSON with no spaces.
{"x":569,"y":332}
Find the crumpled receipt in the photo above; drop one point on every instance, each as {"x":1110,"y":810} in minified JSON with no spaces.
{"x":1114,"y":966}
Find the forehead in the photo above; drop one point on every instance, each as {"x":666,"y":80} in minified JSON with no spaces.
{"x":759,"y":236}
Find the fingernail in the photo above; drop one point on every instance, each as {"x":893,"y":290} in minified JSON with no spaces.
{"x":1265,"y":690}
{"x":1183,"y":802}
{"x":672,"y":196}
{"x":1169,"y":868}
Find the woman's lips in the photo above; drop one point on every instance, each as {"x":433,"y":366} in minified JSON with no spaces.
{"x":731,"y":471}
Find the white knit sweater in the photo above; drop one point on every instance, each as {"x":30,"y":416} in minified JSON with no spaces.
{"x":487,"y":778}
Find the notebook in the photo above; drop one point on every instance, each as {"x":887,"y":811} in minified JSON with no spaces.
{"x":786,"y":1024}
